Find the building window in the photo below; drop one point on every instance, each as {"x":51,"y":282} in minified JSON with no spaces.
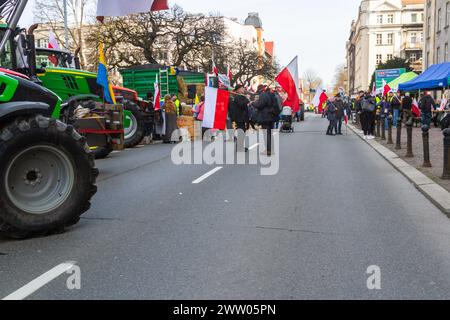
{"x":390,"y":57}
{"x":438,"y":55}
{"x":412,"y":57}
{"x":439,"y":20}
{"x":414,"y":18}
{"x":429,"y":27}
{"x":446,"y":57}
{"x":380,"y":19}
{"x":390,"y":38}
{"x":447,"y":14}
{"x":428,"y":59}
{"x":379,"y":39}
{"x":390,"y":18}
{"x":413,"y":38}
{"x":379,"y":59}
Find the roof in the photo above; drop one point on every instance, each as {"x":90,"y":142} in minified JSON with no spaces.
{"x":253,"y":19}
{"x":436,"y":77}
{"x":269,"y":47}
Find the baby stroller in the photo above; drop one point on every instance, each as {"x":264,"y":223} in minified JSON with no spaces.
{"x":286,"y":120}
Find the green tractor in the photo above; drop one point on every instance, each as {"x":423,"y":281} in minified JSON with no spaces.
{"x":47,"y":172}
{"x":74,"y":86}
{"x":67,"y":80}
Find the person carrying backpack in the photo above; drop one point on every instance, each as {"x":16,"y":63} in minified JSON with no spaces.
{"x":269,"y":107}
{"x":369,"y":108}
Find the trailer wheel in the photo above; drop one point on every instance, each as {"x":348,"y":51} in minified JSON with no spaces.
{"x":135,"y":133}
{"x":103,"y":152}
{"x":47,"y":177}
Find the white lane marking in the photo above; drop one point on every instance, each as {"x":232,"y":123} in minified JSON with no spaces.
{"x":253,"y":146}
{"x":207,"y":175}
{"x":41,"y":281}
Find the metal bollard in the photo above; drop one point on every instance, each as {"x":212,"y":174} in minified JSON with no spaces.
{"x":377,"y":134}
{"x":390,"y":131}
{"x":446,"y":174}
{"x":383,"y":128}
{"x":409,"y":147}
{"x":426,"y":146}
{"x":398,"y":144}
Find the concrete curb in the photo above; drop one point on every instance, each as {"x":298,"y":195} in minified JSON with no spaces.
{"x":430,"y":189}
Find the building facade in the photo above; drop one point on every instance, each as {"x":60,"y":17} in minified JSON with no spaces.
{"x":383,"y":30}
{"x":437,"y":32}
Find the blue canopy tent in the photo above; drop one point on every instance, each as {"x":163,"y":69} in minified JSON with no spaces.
{"x":436,"y":77}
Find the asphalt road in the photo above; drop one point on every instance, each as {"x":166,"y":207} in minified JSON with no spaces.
{"x":310,"y":232}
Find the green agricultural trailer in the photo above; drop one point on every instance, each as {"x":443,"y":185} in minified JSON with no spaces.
{"x":184,"y":84}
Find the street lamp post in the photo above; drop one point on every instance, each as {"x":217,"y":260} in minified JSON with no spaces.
{"x":383,"y":127}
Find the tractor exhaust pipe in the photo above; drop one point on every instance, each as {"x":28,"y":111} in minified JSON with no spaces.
{"x":31,"y":48}
{"x":77,"y":58}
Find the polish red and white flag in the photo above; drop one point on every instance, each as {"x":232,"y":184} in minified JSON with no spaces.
{"x":288,"y":80}
{"x":157,"y":100}
{"x":118,"y":8}
{"x":386,"y":88}
{"x":53,"y":44}
{"x":415,"y":109}
{"x":319,"y":99}
{"x":52,"y":41}
{"x":216,"y":108}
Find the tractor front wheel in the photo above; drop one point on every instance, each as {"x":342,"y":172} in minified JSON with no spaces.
{"x":47,"y":177}
{"x":136,"y":130}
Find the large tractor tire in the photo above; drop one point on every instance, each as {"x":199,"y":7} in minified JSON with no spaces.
{"x":47,"y":177}
{"x":135,"y":133}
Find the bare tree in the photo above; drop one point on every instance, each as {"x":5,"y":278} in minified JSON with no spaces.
{"x":340,"y":78}
{"x":80,"y":12}
{"x":312,"y":80}
{"x":184,"y":38}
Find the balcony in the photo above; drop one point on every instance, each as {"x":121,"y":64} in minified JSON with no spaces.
{"x":412,"y":45}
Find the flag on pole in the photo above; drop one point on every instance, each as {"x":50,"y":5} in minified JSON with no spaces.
{"x":346,"y":117}
{"x":216,"y":108}
{"x":53,"y":44}
{"x":374,"y":90}
{"x":197,"y":100}
{"x":157,"y":99}
{"x":386,"y":88}
{"x":230,"y":74}
{"x":288,"y":80}
{"x":415,"y":108}
{"x":103,"y":79}
{"x":119,"y":8}
{"x":214,"y":68}
{"x":319,"y":99}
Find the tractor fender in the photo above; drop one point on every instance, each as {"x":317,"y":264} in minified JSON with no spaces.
{"x":12,"y":110}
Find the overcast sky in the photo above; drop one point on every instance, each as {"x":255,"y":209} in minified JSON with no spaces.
{"x":315,"y":30}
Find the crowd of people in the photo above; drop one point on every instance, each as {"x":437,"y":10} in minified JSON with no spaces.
{"x":393,"y":107}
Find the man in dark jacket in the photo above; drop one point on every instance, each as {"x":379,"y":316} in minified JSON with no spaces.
{"x":331,"y":116}
{"x":340,"y":107}
{"x":426,"y":104}
{"x":265,"y":115}
{"x":239,"y":109}
{"x":396,"y":106}
{"x":239,"y":114}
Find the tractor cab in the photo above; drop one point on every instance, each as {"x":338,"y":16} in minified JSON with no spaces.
{"x":47,"y":57}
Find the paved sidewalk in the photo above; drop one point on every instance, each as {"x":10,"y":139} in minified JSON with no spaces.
{"x":436,"y":152}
